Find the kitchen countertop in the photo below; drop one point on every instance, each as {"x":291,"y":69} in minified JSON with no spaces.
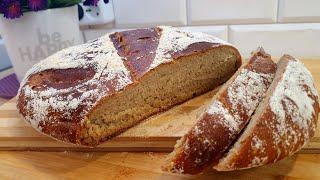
{"x":102,"y":165}
{"x":124,"y":165}
{"x":2,"y":101}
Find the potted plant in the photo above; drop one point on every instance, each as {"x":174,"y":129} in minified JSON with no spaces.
{"x":35,"y":29}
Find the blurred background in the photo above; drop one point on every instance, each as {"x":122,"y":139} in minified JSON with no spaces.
{"x":280,"y":26}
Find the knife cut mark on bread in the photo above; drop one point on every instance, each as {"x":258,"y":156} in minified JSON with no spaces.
{"x":282,"y":124}
{"x":224,"y":118}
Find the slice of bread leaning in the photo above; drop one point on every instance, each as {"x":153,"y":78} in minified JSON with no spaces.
{"x":224,"y":118}
{"x":282,"y":124}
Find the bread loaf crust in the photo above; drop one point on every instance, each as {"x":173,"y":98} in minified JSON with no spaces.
{"x":225,"y":117}
{"x":58,"y":93}
{"x":284,"y":122}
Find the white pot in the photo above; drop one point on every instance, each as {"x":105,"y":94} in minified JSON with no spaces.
{"x":36,"y":35}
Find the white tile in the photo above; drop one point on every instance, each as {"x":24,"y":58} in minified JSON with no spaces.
{"x":146,"y":13}
{"x":202,"y":12}
{"x":300,"y":40}
{"x":91,"y":34}
{"x":299,"y":11}
{"x":218,"y":31}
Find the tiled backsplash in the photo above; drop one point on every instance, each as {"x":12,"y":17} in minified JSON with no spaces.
{"x":231,"y":11}
{"x":299,"y":11}
{"x":300,"y":40}
{"x":280,"y":26}
{"x":141,"y":13}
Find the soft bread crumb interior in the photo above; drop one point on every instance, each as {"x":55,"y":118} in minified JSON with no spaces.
{"x":168,"y":85}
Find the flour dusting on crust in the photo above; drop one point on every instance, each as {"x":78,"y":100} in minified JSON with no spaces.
{"x":247,"y":91}
{"x":227,"y":120}
{"x":174,"y":40}
{"x":284,"y":122}
{"x":293,"y":93}
{"x":292,"y":104}
{"x":99,"y":54}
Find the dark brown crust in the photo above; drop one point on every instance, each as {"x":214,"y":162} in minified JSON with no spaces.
{"x":68,"y":129}
{"x":194,"y":155}
{"x":138,"y":48}
{"x":59,"y":126}
{"x":261,"y":66}
{"x":194,"y":48}
{"x":266,"y":127}
{"x":60,"y":78}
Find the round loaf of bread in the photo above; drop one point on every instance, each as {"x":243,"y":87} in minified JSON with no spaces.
{"x":89,"y":93}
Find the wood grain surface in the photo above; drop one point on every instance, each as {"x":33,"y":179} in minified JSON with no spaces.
{"x":133,"y":165}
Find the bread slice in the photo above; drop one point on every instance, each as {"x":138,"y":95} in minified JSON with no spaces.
{"x":89,"y":93}
{"x":284,"y":121}
{"x":224,"y":118}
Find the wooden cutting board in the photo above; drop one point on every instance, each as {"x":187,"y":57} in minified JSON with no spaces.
{"x":158,"y":133}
